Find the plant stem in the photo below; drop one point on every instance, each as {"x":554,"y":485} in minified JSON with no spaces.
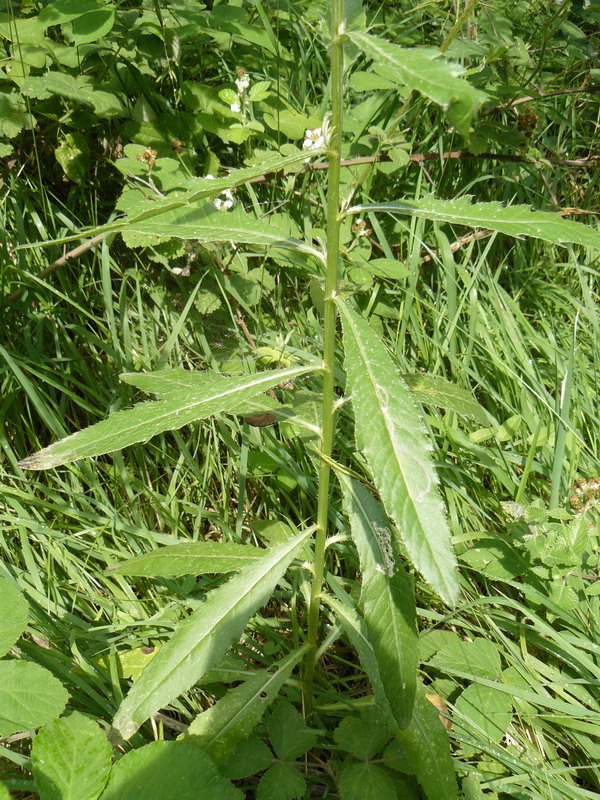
{"x":329,"y":325}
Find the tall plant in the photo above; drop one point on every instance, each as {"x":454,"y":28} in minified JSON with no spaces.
{"x":395,"y":513}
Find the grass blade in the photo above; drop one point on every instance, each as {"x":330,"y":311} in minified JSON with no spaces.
{"x":190,"y":558}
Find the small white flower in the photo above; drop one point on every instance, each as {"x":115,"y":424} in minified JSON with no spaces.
{"x":210,"y":177}
{"x":183,"y":271}
{"x":235,"y":107}
{"x":224,"y":202}
{"x":313,"y":139}
{"x":242,"y":84}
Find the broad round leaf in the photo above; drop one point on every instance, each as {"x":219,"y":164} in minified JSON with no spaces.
{"x":168,"y":771}
{"x":71,"y":759}
{"x":30,"y":697}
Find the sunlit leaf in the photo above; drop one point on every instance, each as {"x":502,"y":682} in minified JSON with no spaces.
{"x":14,"y":611}
{"x":200,"y":640}
{"x":394,"y":441}
{"x":513,"y":220}
{"x":233,"y":718}
{"x":387,"y":598}
{"x":71,"y":759}
{"x":425,"y":71}
{"x":30,"y":696}
{"x":190,"y":558}
{"x":186,"y":397}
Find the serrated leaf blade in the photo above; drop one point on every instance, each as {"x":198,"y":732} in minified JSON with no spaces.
{"x":515,"y":221}
{"x":387,"y":599}
{"x":200,"y":641}
{"x":190,"y":558}
{"x":185,"y":397}
{"x":425,"y":71}
{"x":393,"y":439}
{"x":233,"y":718}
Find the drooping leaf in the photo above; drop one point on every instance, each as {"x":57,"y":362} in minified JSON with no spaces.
{"x":30,"y":697}
{"x":71,"y":759}
{"x":387,"y":598}
{"x":288,"y":732}
{"x":516,"y":221}
{"x":186,"y":397}
{"x":14,"y":610}
{"x":425,"y":71}
{"x":168,"y":771}
{"x":354,"y":625}
{"x":281,"y":782}
{"x":437,"y":391}
{"x":200,"y":641}
{"x":427,"y":747}
{"x":198,"y":189}
{"x":233,"y":718}
{"x":365,"y":781}
{"x":393,"y":439}
{"x":190,"y":558}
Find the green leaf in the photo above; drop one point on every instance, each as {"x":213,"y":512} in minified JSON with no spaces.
{"x":289,"y":734}
{"x":190,"y":558}
{"x":488,"y":709}
{"x":356,"y":736}
{"x":64,"y":10}
{"x":437,"y":391}
{"x":83,"y":90}
{"x":423,"y":70}
{"x":478,"y":657}
{"x":355,"y":628}
{"x":200,"y":640}
{"x":427,"y":747}
{"x":30,"y":697}
{"x":71,"y":759}
{"x":231,"y":719}
{"x":186,"y":397}
{"x":93,"y":26}
{"x":14,"y":611}
{"x":250,"y":757}
{"x":13,"y":114}
{"x":365,"y":782}
{"x":281,"y":782}
{"x":394,"y":441}
{"x":4,"y":795}
{"x":200,"y":189}
{"x":168,"y":771}
{"x":516,"y":221}
{"x":387,"y":598}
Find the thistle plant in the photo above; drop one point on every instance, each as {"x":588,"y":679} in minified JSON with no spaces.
{"x":393,"y":507}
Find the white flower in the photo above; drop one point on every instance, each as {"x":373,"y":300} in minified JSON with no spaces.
{"x":242,"y":84}
{"x":235,"y":107}
{"x":210,"y":177}
{"x":225,"y":202}
{"x":313,"y":139}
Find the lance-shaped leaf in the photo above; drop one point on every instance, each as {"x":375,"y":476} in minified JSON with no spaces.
{"x":437,"y":391}
{"x":233,"y":718}
{"x":199,"y":189}
{"x":204,"y":223}
{"x":190,"y":558}
{"x":425,"y":71}
{"x":200,"y":641}
{"x":185,"y":397}
{"x":387,"y":599}
{"x":354,"y":625}
{"x":426,"y":744}
{"x":394,"y":441}
{"x":516,"y":221}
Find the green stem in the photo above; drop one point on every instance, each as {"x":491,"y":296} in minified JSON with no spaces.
{"x":329,"y":325}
